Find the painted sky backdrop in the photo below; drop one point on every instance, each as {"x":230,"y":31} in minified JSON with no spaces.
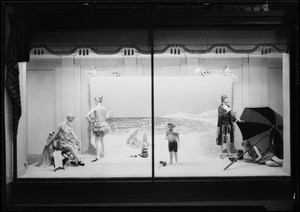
{"x":131,"y":96}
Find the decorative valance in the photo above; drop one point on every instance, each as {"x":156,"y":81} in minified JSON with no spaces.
{"x":236,"y":41}
{"x":191,"y":41}
{"x":100,"y":42}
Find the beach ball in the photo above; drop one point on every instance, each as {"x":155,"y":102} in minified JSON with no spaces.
{"x":171,"y":137}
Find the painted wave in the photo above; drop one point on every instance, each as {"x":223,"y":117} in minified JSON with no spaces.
{"x":184,"y":122}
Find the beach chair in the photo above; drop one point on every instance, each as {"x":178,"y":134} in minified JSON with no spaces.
{"x":66,"y":154}
{"x":58,"y":160}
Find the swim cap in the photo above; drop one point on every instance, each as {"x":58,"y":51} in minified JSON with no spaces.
{"x":70,"y":117}
{"x":98,"y":99}
{"x":223,"y":97}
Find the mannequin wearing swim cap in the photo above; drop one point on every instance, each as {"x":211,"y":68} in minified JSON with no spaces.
{"x":99,"y":125}
{"x":70,"y":117}
{"x":68,"y":140}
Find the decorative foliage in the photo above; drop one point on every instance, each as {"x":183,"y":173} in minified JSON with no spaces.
{"x":94,"y":73}
{"x":227,"y":71}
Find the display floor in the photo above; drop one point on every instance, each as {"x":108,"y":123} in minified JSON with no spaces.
{"x":121,"y":164}
{"x":198,"y":154}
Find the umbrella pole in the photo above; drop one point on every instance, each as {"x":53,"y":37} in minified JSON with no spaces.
{"x":235,"y":160}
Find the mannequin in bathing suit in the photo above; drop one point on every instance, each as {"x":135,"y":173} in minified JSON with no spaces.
{"x":99,"y":126}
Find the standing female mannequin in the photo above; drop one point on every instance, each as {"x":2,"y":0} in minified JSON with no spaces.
{"x":99,"y":125}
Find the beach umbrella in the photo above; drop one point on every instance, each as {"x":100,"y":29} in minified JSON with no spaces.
{"x":262,"y":127}
{"x":258,"y":121}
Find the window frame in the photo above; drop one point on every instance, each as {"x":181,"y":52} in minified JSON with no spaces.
{"x":191,"y":191}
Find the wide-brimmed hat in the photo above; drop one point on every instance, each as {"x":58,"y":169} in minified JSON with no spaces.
{"x":171,"y":124}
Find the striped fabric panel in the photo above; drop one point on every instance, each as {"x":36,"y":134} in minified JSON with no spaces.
{"x":13,"y":91}
{"x":17,"y":51}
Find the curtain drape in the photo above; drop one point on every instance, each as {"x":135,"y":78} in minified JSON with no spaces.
{"x":17,"y":51}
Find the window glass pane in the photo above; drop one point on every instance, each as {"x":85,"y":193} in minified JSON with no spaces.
{"x":193,"y":70}
{"x":204,"y":81}
{"x":102,"y":94}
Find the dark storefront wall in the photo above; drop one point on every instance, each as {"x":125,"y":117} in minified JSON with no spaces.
{"x":203,"y":192}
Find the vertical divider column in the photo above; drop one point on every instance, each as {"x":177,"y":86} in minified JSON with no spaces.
{"x":150,"y":39}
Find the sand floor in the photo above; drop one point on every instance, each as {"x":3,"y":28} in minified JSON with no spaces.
{"x":121,"y":164}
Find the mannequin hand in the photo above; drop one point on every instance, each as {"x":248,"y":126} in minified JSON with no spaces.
{"x":226,"y":108}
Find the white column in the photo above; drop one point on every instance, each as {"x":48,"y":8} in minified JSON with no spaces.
{"x":67,"y":86}
{"x":265,"y":94}
{"x":183,"y":66}
{"x":79,"y":115}
{"x":192,"y":64}
{"x":22,"y":128}
{"x":58,"y":93}
{"x":245,"y":82}
{"x":130,"y":66}
{"x":286,"y":113}
{"x":139,"y":66}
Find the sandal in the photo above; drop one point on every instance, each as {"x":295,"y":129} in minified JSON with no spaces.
{"x":74,"y":163}
{"x":64,"y":161}
{"x":95,"y":160}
